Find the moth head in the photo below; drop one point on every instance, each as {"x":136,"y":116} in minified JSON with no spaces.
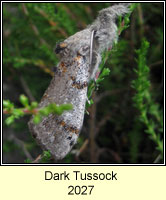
{"x":60,"y":47}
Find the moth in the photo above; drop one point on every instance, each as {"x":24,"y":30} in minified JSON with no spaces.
{"x":80,"y":56}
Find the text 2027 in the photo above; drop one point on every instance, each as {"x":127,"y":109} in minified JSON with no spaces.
{"x":80,"y":190}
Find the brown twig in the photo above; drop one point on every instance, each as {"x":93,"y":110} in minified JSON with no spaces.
{"x":108,"y":93}
{"x":141,"y":20}
{"x":25,"y":110}
{"x":132,"y":33}
{"x":92,"y":131}
{"x":114,"y":154}
{"x":102,"y":95}
{"x":26,"y":89}
{"x":83,"y":147}
{"x":51,"y":22}
{"x":157,"y":159}
{"x":41,"y":65}
{"x":102,"y":123}
{"x":156,"y":63}
{"x":74,"y":17}
{"x":22,"y":145}
{"x":33,"y":26}
{"x":38,"y":159}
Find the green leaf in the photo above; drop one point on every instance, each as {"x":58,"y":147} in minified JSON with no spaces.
{"x":46,"y":157}
{"x":47,"y":154}
{"x":37,"y":118}
{"x":66,"y":107}
{"x":9,"y":120}
{"x":8,"y":105}
{"x":17,"y":112}
{"x":24,"y":100}
{"x":27,"y":160}
{"x":34,"y":104}
{"x":44,"y":111}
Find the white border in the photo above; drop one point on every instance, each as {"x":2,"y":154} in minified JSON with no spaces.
{"x":79,"y":164}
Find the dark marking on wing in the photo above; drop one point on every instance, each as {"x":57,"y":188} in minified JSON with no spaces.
{"x":77,"y":84}
{"x":60,"y":47}
{"x":67,"y":127}
{"x":71,"y":143}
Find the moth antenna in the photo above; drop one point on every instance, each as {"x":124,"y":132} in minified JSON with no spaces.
{"x":91,"y":47}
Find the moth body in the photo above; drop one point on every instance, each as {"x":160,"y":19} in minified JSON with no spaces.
{"x":79,"y":61}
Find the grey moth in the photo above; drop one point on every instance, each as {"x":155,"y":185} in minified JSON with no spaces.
{"x":80,"y":56}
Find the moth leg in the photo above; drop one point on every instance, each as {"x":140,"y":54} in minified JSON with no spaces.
{"x":96,"y":59}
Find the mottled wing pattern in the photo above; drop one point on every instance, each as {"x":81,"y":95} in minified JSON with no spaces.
{"x":56,"y":133}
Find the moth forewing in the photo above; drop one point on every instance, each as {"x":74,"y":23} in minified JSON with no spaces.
{"x":56,"y":133}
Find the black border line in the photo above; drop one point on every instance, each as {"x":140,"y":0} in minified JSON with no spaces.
{"x":81,"y":164}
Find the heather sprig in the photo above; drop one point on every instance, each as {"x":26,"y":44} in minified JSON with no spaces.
{"x":31,"y":109}
{"x":149,"y":112}
{"x":103,"y":71}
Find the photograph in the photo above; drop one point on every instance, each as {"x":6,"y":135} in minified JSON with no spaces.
{"x":83,"y":83}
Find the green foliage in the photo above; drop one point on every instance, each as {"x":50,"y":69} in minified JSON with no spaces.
{"x":51,"y":108}
{"x":103,"y":71}
{"x":16,"y":113}
{"x":124,"y":23}
{"x":27,"y":160}
{"x":9,"y":146}
{"x":143,"y":100}
{"x":44,"y":158}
